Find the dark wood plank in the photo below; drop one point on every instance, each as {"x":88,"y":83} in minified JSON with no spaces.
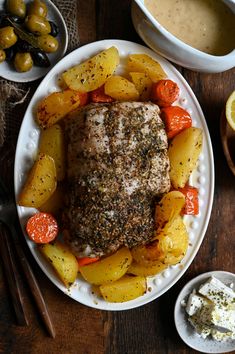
{"x":87,"y":21}
{"x":12,"y":275}
{"x":114,"y":20}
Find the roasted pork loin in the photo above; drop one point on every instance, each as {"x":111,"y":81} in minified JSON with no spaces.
{"x":117,"y":166}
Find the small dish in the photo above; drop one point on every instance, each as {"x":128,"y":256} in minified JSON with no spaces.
{"x":8,"y":72}
{"x":228,"y":142}
{"x":186,"y":331}
{"x":167,"y":45}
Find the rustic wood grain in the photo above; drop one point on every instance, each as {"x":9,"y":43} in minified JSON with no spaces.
{"x":12,"y":276}
{"x":149,"y":329}
{"x":34,"y":288}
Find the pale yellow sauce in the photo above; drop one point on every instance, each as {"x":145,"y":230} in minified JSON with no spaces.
{"x":207,"y":25}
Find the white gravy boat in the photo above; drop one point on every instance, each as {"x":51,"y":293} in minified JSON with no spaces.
{"x":172,"y":48}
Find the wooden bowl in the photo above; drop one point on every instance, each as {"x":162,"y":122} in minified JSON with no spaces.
{"x":228,"y":142}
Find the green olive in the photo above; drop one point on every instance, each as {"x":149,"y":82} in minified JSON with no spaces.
{"x":47,"y":43}
{"x":37,"y":24}
{"x":2,"y":55}
{"x":7,"y":37}
{"x":16,"y":7}
{"x":23,"y":62}
{"x":38,"y":8}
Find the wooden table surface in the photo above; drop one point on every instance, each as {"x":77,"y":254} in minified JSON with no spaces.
{"x":149,"y":329}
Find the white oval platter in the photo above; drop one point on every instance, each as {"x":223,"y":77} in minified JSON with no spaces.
{"x":202,"y":177}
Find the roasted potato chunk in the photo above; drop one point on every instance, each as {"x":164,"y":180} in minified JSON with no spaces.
{"x":54,"y":204}
{"x":92,"y":73}
{"x":52,"y":143}
{"x":173,"y":241}
{"x":146,"y":271}
{"x":169,"y":248}
{"x":56,"y":106}
{"x":148,"y":255}
{"x":143,"y":84}
{"x":121,"y":89}
{"x":62,"y":260}
{"x":168,"y":208}
{"x":125,"y":289}
{"x":108,"y":269}
{"x":40,"y":183}
{"x":183,"y":152}
{"x":145,"y":64}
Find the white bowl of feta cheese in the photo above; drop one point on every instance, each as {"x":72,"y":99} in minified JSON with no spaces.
{"x":205,"y":312}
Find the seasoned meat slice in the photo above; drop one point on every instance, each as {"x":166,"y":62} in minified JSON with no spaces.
{"x":117,"y":165}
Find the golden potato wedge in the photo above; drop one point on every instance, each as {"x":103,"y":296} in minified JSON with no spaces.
{"x":147,"y":255}
{"x":56,"y":106}
{"x":146,"y":271}
{"x":173,"y":241}
{"x":52,"y":143}
{"x":183,"y":152}
{"x":125,"y":289}
{"x":62,"y":260}
{"x":121,"y":89}
{"x":145,"y":64}
{"x":54,"y":205}
{"x":143,"y":84}
{"x":107,"y":269}
{"x":92,"y":73}
{"x":168,"y":208}
{"x":40,"y":184}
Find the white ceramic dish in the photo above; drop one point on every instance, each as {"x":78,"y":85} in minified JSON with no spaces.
{"x":186,"y":331}
{"x":167,"y":45}
{"x":7,"y":71}
{"x":203,"y":176}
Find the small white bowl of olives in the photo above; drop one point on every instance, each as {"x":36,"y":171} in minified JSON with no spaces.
{"x":33,"y":38}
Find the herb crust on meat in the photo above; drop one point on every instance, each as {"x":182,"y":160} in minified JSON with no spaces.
{"x":117,"y":166}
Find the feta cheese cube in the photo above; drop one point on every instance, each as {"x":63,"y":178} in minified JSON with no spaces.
{"x":211,"y":310}
{"x":217,"y":317}
{"x":222,"y":336}
{"x":201,"y":329}
{"x":217,"y":292}
{"x":206,"y":314}
{"x":195,"y":302}
{"x":223,"y":319}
